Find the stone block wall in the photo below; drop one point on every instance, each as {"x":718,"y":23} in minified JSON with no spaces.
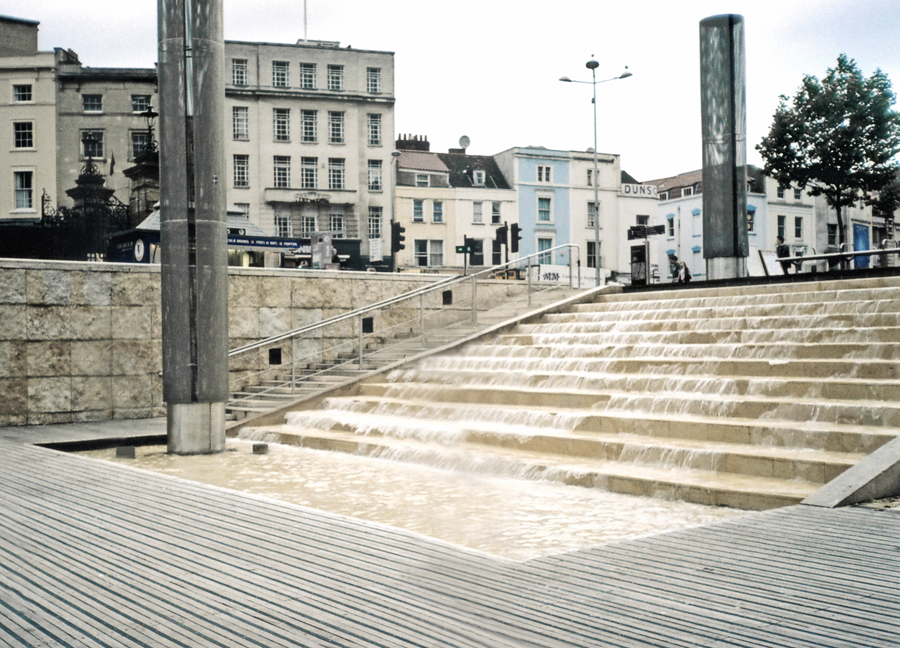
{"x":82,"y":341}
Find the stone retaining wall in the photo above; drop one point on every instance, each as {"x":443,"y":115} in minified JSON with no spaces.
{"x":82,"y":341}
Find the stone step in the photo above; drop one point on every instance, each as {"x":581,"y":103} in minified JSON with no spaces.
{"x":692,"y":485}
{"x":776,"y":368}
{"x":490,"y":372}
{"x":783,"y":408}
{"x":419,"y":415}
{"x":818,"y":466}
{"x":866,"y":299}
{"x":602,"y":321}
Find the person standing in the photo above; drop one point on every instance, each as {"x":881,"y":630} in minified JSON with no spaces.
{"x":782,"y":251}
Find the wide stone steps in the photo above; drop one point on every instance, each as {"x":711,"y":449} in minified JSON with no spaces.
{"x":703,"y":486}
{"x":744,"y":396}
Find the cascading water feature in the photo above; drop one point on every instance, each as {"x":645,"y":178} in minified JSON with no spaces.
{"x":745,"y":397}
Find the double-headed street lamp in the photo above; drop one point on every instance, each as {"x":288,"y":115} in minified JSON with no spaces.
{"x":592,"y":65}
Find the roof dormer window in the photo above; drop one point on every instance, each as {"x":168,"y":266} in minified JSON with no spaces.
{"x":478,"y":177}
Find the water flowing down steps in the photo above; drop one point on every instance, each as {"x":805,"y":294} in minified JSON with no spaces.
{"x":750,"y":397}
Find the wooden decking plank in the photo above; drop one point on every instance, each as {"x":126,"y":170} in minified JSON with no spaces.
{"x":224,"y":581}
{"x":474,"y":593}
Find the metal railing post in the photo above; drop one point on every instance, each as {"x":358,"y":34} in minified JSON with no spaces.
{"x":422,"y":313}
{"x":293,"y":368}
{"x":474,"y":300}
{"x":528,"y":274}
{"x":359,"y":323}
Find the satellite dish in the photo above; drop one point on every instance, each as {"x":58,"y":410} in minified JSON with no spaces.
{"x":464,"y":142}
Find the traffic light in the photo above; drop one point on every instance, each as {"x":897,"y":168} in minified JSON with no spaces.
{"x":502,"y":234}
{"x":397,"y":237}
{"x":515,"y":237}
{"x":469,"y":244}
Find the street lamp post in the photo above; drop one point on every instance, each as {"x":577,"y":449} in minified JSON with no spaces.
{"x":592,"y":65}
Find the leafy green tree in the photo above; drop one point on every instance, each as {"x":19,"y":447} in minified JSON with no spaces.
{"x":838,"y":137}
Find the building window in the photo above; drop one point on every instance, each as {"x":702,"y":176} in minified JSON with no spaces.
{"x":593,"y":259}
{"x":798,"y":194}
{"x":310,"y":132}
{"x":308,"y":76}
{"x":832,"y":234}
{"x":780,"y":192}
{"x":24,"y":189}
{"x":421,"y":179}
{"x":336,"y":225}
{"x":642,"y":219}
{"x":240,"y":123}
{"x":420,"y":252}
{"x":281,"y":124}
{"x":477,"y":212}
{"x":242,"y":171}
{"x":687,"y":191}
{"x":663,"y":195}
{"x":281,"y":74}
{"x":671,"y":222}
{"x":543,"y":173}
{"x":477,"y":256}
{"x":23,"y":135}
{"x":590,"y":177}
{"x":798,"y":227}
{"x":543,"y":210}
{"x":478,"y":178}
{"x":283,"y":226}
{"x":307,"y":226}
{"x":92,"y":144}
{"x":374,"y":130}
{"x":335,"y":127}
{"x":592,"y":214}
{"x":282,"y":171}
{"x":335,"y":77}
{"x":335,"y":173}
{"x":437,"y":211}
{"x":428,"y":253}
{"x":373,"y":80}
{"x":375,"y":216}
{"x":495,"y":213}
{"x":751,"y":220}
{"x":418,"y":211}
{"x":92,"y":102}
{"x":496,"y":252}
{"x":436,"y":254}
{"x":239,"y":72}
{"x":140,"y":103}
{"x":309,"y":173}
{"x":781,"y":220}
{"x":22,"y":92}
{"x":544,"y":257}
{"x":139,"y":142}
{"x":375,"y":183}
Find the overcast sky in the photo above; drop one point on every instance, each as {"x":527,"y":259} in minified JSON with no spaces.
{"x":489,"y":69}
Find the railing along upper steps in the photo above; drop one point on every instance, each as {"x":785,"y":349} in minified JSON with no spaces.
{"x":727,"y":408}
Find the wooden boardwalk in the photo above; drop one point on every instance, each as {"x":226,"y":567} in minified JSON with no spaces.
{"x":102,"y":554}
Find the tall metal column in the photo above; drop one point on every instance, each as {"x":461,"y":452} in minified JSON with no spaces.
{"x":724,"y":125}
{"x":192,"y":224}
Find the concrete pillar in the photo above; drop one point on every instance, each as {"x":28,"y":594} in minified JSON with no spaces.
{"x":724,"y":127}
{"x":193,"y":224}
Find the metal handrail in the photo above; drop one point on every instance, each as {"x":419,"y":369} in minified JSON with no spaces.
{"x":310,"y":328}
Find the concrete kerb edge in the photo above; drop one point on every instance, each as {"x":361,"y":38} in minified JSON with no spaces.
{"x":875,"y":477}
{"x":276,"y":416}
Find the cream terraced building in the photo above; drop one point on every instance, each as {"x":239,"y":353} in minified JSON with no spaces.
{"x":309,"y":140}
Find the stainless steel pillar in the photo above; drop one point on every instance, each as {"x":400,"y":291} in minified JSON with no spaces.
{"x":724,"y":126}
{"x":193,"y":224}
